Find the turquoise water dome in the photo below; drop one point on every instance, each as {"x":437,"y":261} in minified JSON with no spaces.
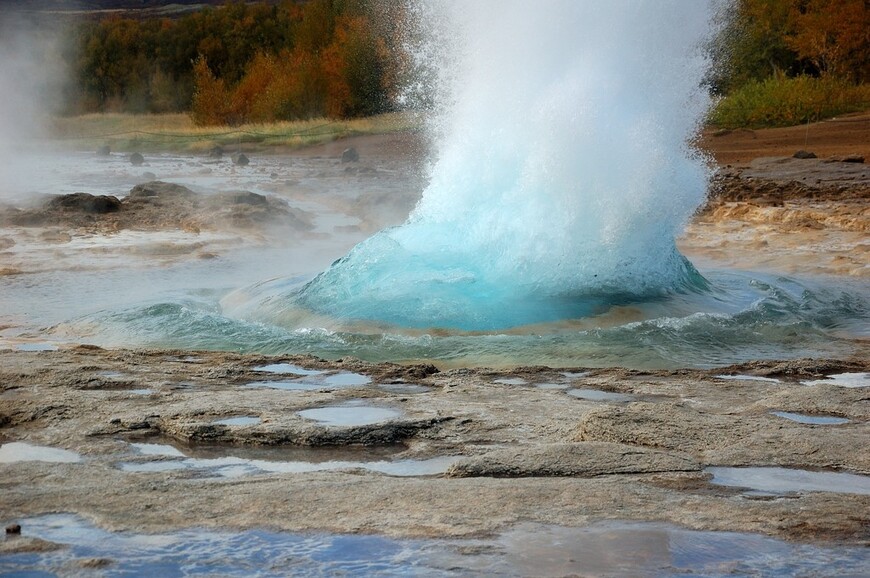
{"x":562,"y":171}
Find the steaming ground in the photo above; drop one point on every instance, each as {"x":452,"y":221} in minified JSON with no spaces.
{"x":205,"y":266}
{"x":747,"y":469}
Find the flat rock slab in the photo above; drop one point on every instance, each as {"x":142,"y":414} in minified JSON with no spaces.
{"x":585,"y":459}
{"x":521,"y":453}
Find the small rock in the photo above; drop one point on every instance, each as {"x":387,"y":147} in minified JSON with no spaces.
{"x":95,"y":563}
{"x":240,"y":159}
{"x":104,"y":151}
{"x":802,"y":154}
{"x":136,"y":159}
{"x":349,"y":155}
{"x":13,"y":529}
{"x":216,"y":152}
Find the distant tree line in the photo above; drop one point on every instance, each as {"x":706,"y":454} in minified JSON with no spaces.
{"x":267,"y":61}
{"x":240,"y":63}
{"x":789,"y":38}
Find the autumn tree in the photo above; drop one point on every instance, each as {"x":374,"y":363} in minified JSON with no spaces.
{"x":833,"y":35}
{"x":211,"y":100}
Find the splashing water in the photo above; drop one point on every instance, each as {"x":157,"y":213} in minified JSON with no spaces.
{"x":563,"y":171}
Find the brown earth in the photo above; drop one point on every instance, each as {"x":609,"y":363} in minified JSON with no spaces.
{"x":845,"y":135}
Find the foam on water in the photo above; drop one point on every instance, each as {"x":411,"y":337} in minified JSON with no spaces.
{"x":563,"y":171}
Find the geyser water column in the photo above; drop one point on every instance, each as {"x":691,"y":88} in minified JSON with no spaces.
{"x":563,"y":169}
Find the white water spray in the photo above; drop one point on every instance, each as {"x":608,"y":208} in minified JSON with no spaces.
{"x":564,"y":169}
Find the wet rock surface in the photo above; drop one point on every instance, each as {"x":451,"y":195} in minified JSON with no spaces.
{"x":158,"y":205}
{"x":520,"y":452}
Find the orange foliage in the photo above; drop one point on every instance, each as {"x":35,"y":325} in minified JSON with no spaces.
{"x":834,"y":35}
{"x":211,"y":101}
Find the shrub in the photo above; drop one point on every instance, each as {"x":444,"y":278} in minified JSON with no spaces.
{"x":782,"y":101}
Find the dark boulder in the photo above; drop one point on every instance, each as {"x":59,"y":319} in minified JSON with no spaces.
{"x":136,"y":159}
{"x":349,"y":155}
{"x":161,"y":190}
{"x":802,"y":154}
{"x":240,"y":159}
{"x":84,"y":203}
{"x":248,"y":198}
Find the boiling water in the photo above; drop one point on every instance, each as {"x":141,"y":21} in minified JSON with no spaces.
{"x":563,"y":172}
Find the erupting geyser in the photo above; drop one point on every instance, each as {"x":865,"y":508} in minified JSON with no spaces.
{"x":563,"y":170}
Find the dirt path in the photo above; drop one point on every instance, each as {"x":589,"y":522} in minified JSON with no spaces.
{"x":845,"y":135}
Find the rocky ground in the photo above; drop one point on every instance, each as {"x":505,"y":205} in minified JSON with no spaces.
{"x":518,"y":446}
{"x":528,"y":445}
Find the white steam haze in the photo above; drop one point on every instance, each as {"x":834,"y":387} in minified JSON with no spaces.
{"x":31,"y":80}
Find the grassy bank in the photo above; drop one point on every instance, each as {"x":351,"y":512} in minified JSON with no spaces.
{"x":177,"y":133}
{"x":781,"y":101}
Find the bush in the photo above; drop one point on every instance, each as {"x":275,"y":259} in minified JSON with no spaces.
{"x":781,"y":101}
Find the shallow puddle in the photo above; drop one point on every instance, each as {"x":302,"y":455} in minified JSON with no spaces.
{"x":14,"y":452}
{"x":609,"y":549}
{"x":237,"y":421}
{"x":511,"y":381}
{"x":598,"y":395}
{"x":346,"y":379}
{"x":810,"y":419}
{"x":112,"y":374}
{"x":843,"y":380}
{"x":315,"y":381}
{"x":36,"y":347}
{"x":748,"y":378}
{"x":785,"y":480}
{"x":230,"y":462}
{"x":574,"y":374}
{"x":350,"y":415}
{"x":287,"y":368}
{"x":142,"y":391}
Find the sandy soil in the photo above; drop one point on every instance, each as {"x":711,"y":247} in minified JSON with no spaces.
{"x":845,"y":135}
{"x":517,"y":451}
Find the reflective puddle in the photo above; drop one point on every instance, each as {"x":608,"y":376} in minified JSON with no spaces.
{"x":346,"y":379}
{"x":608,"y":549}
{"x":351,"y":414}
{"x":287,"y":368}
{"x":36,"y":347}
{"x":810,"y":419}
{"x":843,"y":380}
{"x":13,"y":452}
{"x":231,"y":462}
{"x":511,"y":381}
{"x":748,"y":378}
{"x":598,"y":395}
{"x":315,"y":381}
{"x":574,"y":374}
{"x":784,"y":480}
